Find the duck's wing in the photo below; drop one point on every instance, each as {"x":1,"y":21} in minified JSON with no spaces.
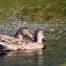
{"x":8,"y":46}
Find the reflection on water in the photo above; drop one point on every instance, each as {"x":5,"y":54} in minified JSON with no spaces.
{"x":4,"y":54}
{"x":19,"y":58}
{"x":39,"y":59}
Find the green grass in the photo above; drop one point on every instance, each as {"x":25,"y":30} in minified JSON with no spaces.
{"x":36,"y":10}
{"x":16,"y":3}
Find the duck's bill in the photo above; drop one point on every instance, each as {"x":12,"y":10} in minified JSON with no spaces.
{"x":44,"y":39}
{"x":32,"y":39}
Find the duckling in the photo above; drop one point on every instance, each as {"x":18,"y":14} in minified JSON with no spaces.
{"x":25,"y":31}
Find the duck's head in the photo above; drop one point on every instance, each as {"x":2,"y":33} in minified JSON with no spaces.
{"x":25,"y":31}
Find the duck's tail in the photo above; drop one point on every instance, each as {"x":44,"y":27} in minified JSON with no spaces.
{"x":7,"y":46}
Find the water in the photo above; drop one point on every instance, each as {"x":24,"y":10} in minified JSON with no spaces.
{"x":53,"y":55}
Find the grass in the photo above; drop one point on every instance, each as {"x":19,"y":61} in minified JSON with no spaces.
{"x":36,"y":10}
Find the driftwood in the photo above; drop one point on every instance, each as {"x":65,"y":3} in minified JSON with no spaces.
{"x":12,"y":43}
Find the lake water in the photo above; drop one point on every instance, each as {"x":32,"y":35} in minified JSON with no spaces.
{"x":53,"y":55}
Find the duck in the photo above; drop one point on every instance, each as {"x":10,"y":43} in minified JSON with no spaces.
{"x":24,"y":45}
{"x":23,"y":32}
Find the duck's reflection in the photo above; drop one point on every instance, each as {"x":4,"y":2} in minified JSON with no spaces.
{"x":4,"y":54}
{"x":37,"y":55}
{"x":39,"y":58}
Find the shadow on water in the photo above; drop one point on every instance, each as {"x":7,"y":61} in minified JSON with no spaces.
{"x":4,"y":54}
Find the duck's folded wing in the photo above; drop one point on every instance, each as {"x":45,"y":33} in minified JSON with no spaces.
{"x":7,"y":46}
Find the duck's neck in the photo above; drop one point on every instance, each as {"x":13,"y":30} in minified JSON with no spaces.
{"x":39,"y":40}
{"x":20,"y":36}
